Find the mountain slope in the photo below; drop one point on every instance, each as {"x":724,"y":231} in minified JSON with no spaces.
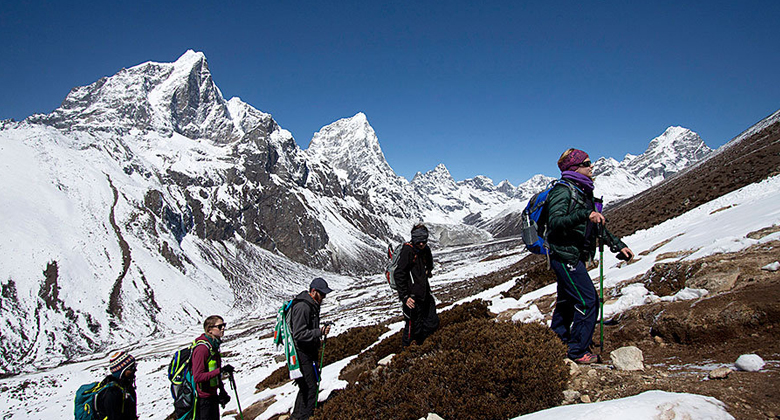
{"x":148,"y":196}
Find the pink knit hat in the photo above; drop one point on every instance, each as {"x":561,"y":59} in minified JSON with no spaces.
{"x":575,"y":158}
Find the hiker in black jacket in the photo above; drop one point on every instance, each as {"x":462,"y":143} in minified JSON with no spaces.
{"x":118,"y":402}
{"x":417,"y":304}
{"x":306,"y":332}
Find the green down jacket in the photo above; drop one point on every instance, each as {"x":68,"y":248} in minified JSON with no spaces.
{"x":567,"y":228}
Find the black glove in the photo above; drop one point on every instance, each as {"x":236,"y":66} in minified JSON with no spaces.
{"x":227,"y":369}
{"x":224,"y":398}
{"x":623,"y":257}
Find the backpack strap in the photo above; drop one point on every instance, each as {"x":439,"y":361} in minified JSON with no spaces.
{"x":414,"y":257}
{"x":103,"y":386}
{"x":573,"y":193}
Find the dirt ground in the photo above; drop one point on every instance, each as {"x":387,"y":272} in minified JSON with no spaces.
{"x":683,"y":341}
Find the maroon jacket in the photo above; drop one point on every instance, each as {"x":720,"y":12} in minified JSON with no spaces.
{"x":201,"y":355}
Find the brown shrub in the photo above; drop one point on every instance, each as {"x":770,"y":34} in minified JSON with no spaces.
{"x":392,"y":345}
{"x":351,"y":342}
{"x":537,"y":275}
{"x":476,"y":369}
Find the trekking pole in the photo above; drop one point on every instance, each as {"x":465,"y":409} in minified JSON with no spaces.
{"x":235,"y":388}
{"x":319,"y":376}
{"x":601,"y":287}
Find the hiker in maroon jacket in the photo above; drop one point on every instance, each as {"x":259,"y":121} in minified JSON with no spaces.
{"x":207,"y":369}
{"x":417,"y":304}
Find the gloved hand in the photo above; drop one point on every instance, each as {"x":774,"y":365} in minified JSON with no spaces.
{"x":227,"y":369}
{"x":224,"y":398}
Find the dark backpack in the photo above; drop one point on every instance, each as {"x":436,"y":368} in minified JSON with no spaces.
{"x":85,"y":403}
{"x":183,"y":389}
{"x":393,"y":255}
{"x":533,"y":221}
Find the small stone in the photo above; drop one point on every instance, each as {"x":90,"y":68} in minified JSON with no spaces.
{"x":433,"y":416}
{"x":574,"y":368}
{"x":775,"y":266}
{"x":720,"y":373}
{"x":658,"y":339}
{"x":570,"y":395}
{"x":750,"y":363}
{"x":386,"y":361}
{"x":585,"y":399}
{"x":592,"y":373}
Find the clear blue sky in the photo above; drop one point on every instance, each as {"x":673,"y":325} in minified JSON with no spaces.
{"x":487,"y":88}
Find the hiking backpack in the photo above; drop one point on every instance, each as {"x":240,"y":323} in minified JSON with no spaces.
{"x":393,"y":255}
{"x":283,"y":337}
{"x":183,"y":388}
{"x":533,"y":221}
{"x":85,"y":403}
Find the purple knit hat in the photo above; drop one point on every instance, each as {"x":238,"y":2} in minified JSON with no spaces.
{"x":575,"y":158}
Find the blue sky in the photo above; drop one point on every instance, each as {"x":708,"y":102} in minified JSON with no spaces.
{"x":487,"y":88}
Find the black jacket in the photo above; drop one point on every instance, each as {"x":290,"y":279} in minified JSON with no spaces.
{"x":117,"y":402}
{"x":411,"y":275}
{"x":305,"y":324}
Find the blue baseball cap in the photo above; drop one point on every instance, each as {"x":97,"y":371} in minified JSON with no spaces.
{"x":319,"y":284}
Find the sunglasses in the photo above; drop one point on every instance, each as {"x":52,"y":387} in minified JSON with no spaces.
{"x":220,"y":326}
{"x":585,"y":164}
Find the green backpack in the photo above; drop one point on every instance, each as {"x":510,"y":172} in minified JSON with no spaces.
{"x":283,"y":337}
{"x":85,"y":404}
{"x":183,"y":388}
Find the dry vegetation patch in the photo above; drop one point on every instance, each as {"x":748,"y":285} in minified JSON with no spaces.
{"x":474,"y":369}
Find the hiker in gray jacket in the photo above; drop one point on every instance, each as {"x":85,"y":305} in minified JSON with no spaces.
{"x":415,"y":265}
{"x":306,"y":332}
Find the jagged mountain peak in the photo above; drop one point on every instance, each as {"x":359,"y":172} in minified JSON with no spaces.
{"x":437,"y":180}
{"x":350,"y":145}
{"x":479,"y":182}
{"x":178,"y":97}
{"x":675,"y":149}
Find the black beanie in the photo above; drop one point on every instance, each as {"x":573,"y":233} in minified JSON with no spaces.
{"x":419,"y":234}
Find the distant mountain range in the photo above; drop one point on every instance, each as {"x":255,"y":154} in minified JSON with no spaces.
{"x":147,"y":200}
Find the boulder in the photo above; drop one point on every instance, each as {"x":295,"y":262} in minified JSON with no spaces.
{"x":749,"y":363}
{"x":627,"y":358}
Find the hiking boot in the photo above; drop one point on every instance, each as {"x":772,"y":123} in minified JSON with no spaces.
{"x":587,"y":359}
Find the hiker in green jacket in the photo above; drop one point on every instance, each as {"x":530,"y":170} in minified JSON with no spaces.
{"x":574,"y":224}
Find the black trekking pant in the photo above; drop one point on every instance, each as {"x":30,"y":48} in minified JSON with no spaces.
{"x":207,"y":409}
{"x":421,"y":321}
{"x":307,"y":388}
{"x":576,"y":308}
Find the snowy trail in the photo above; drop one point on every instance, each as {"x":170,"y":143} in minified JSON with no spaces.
{"x":369,"y":300}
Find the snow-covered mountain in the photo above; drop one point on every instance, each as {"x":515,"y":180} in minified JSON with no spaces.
{"x":673,"y":151}
{"x":147,"y":198}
